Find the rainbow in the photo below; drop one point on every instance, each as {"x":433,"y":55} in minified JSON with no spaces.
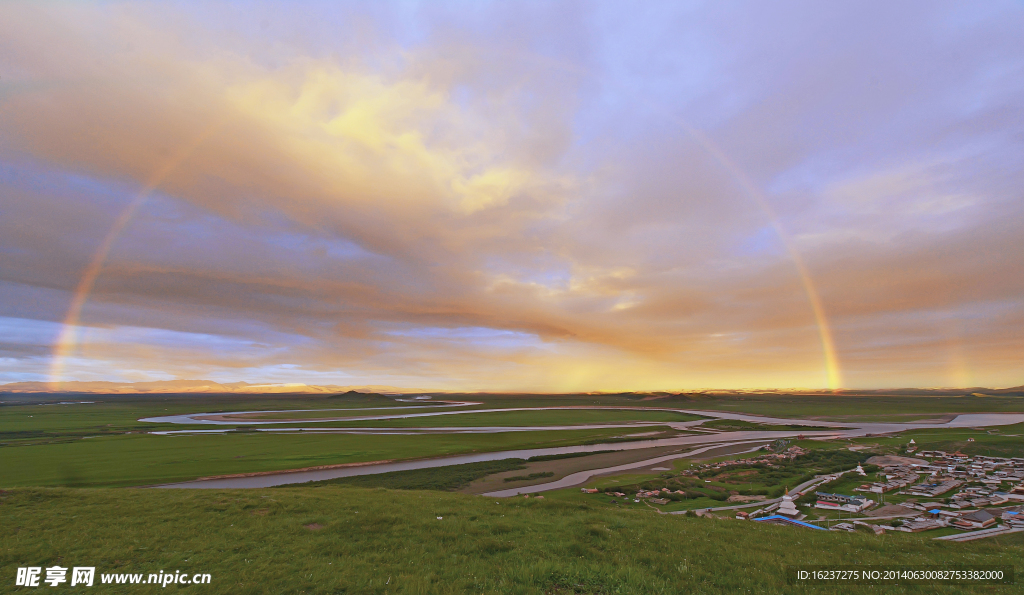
{"x":67,"y":339}
{"x":833,"y":373}
{"x":828,"y":348}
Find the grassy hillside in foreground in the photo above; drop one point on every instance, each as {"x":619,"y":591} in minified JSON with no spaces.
{"x":346,"y":540}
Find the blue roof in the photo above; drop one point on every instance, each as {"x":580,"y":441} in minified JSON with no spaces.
{"x":779,"y":517}
{"x":934,"y":511}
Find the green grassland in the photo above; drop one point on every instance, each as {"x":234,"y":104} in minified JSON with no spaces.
{"x":497,"y":418}
{"x":1002,"y":441}
{"x":103,"y":444}
{"x":840,"y":406}
{"x":39,"y":418}
{"x":350,"y":540}
{"x":848,"y":405}
{"x":35,"y":419}
{"x":343,"y":537}
{"x":448,"y":478}
{"x":143,"y":459}
{"x":120,"y":411}
{"x":735,"y":425}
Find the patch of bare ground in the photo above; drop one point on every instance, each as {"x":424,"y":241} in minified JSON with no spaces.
{"x":738,"y":498}
{"x":890,"y":510}
{"x":314,"y":526}
{"x":882,"y":461}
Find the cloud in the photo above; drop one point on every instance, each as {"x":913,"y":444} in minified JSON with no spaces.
{"x":480,"y":199}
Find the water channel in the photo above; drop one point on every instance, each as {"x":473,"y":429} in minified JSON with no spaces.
{"x":708,"y":440}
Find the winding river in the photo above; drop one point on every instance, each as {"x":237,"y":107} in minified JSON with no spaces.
{"x":706,"y":440}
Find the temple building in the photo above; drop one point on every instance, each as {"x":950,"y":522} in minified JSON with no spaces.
{"x":788,"y":507}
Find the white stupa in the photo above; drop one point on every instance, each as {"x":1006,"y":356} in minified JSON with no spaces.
{"x":912,"y":441}
{"x":860,"y":470}
{"x":788,"y":508}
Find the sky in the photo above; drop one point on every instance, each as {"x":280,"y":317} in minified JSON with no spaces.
{"x":513,"y":195}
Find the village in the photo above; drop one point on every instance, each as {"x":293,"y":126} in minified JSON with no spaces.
{"x":966,"y":497}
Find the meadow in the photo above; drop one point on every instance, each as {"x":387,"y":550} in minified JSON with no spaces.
{"x":1002,"y":441}
{"x":102,"y":443}
{"x":735,"y":425}
{"x":448,"y":478}
{"x":348,"y":540}
{"x":354,"y":536}
{"x":846,"y":405}
{"x":495,"y":418}
{"x":143,"y":459}
{"x":454,"y":477}
{"x":853,"y":406}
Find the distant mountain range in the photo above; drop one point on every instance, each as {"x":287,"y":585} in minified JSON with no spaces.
{"x":209,"y":386}
{"x":189,"y":386}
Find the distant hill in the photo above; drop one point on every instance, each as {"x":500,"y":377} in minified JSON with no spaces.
{"x":192,"y":386}
{"x":362,"y":398}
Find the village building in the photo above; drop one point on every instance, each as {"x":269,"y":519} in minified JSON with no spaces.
{"x":990,"y":481}
{"x":979,"y":519}
{"x":848,"y":527}
{"x":932,"y":490}
{"x":1014,"y":517}
{"x":842,"y":502}
{"x":921,"y":524}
